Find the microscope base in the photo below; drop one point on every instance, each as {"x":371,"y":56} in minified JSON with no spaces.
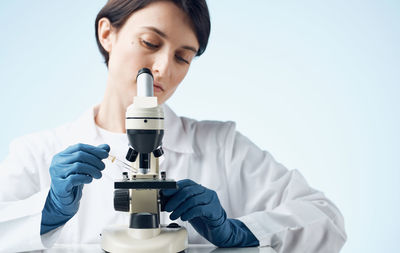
{"x":123,"y":240}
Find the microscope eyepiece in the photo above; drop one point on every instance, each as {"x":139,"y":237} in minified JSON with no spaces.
{"x":144,"y":70}
{"x":144,"y":81}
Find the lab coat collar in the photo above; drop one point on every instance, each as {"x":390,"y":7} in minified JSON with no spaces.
{"x":175,"y":138}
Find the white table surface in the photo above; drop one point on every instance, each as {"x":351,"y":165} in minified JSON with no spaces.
{"x":94,"y":248}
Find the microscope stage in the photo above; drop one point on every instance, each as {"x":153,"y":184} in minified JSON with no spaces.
{"x":145,"y":184}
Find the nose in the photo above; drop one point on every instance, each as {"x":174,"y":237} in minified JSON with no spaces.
{"x":162,"y":65}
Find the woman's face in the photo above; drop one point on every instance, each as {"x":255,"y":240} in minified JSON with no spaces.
{"x":158,"y":37}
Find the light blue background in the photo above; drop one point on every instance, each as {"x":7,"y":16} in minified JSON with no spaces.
{"x":316,"y":83}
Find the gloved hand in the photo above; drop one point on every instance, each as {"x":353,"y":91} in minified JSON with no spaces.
{"x":201,"y":207}
{"x":69,"y":170}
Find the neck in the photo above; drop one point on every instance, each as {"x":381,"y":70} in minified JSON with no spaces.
{"x":111,"y":114}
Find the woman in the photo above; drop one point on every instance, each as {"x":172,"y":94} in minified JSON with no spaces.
{"x":230,"y":193}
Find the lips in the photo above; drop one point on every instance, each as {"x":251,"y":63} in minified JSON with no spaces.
{"x":157,"y":87}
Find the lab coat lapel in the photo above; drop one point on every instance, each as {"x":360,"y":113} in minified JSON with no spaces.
{"x":176,"y":137}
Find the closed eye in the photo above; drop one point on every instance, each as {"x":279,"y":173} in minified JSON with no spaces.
{"x":181,"y":59}
{"x":150,"y":45}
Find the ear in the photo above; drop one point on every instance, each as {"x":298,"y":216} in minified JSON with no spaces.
{"x":105,"y":33}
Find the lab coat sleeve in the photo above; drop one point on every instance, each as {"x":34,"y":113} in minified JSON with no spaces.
{"x":276,"y":204}
{"x":22,"y":197}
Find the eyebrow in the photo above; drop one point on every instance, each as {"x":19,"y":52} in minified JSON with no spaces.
{"x":163,"y":35}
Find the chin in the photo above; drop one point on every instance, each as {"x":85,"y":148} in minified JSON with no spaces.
{"x":160,"y":99}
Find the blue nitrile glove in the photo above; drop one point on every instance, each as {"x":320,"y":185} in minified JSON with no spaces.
{"x":200,"y":206}
{"x":69,"y":170}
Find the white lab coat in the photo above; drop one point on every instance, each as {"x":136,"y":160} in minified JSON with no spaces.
{"x":276,"y":204}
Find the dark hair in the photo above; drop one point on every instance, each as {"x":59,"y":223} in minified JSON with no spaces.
{"x":118,"y":11}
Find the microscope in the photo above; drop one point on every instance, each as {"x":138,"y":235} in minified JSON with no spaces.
{"x":138,"y":192}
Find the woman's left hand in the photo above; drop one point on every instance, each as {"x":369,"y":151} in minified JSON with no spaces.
{"x":198,"y":205}
{"x":201,"y":207}
{"x":192,"y":201}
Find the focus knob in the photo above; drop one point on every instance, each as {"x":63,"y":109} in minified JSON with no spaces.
{"x":121,"y":200}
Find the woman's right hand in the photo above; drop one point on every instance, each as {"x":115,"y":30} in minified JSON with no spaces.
{"x":70,"y":170}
